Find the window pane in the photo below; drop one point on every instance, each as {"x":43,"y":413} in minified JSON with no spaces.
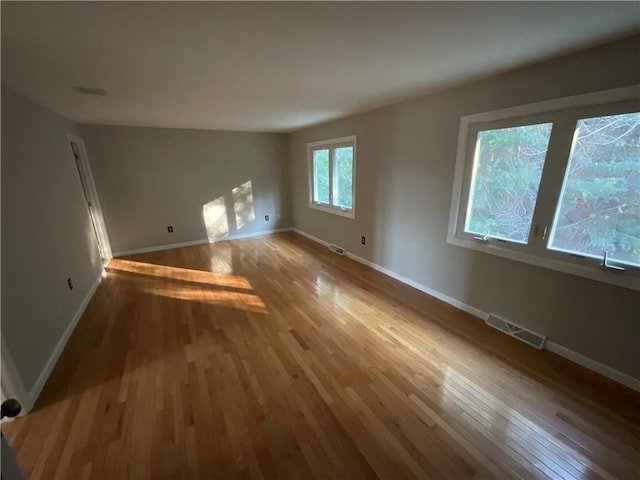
{"x":321,"y":176}
{"x":599,"y":208}
{"x":506,"y":177}
{"x":343,"y":190}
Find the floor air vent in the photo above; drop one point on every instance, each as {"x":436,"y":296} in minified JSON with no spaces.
{"x":522,"y":334}
{"x":336,"y":249}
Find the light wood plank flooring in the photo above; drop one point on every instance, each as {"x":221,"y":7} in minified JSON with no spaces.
{"x":274,"y":358}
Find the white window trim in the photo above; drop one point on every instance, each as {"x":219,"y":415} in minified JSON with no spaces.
{"x":333,"y":143}
{"x":494,"y":248}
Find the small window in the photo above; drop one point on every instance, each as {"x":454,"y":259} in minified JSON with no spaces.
{"x":332,"y":175}
{"x":321,"y":176}
{"x":555,"y":184}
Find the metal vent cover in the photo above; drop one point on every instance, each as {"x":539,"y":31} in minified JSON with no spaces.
{"x":336,"y":249}
{"x":523,"y":334}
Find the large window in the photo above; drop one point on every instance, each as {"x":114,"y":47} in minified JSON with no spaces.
{"x":599,"y":206}
{"x":332,"y":166}
{"x":505,"y":181}
{"x":555,"y":184}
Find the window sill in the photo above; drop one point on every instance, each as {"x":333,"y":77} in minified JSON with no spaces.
{"x":334,"y":210}
{"x":620,"y":279}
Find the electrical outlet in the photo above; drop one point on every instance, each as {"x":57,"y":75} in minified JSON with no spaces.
{"x":363,"y":240}
{"x":170,"y":229}
{"x":266,"y":218}
{"x":70,"y":283}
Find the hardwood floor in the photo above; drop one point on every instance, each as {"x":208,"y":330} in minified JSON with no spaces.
{"x":275,"y":358}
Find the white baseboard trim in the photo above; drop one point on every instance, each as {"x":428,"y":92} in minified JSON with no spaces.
{"x":590,"y":364}
{"x":595,"y":366}
{"x":12,"y":386}
{"x":311,"y":237}
{"x":158,"y":248}
{"x":418,"y":286}
{"x":423,"y":288}
{"x":34,"y":393}
{"x":170,"y":246}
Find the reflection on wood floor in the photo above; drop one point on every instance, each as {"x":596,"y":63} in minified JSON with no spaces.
{"x":274,"y":358}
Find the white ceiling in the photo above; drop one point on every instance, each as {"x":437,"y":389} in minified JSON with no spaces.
{"x":277,"y":66}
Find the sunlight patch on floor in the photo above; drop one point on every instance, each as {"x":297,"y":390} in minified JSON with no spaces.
{"x":223,"y":290}
{"x":178,"y":273}
{"x":223,"y":298}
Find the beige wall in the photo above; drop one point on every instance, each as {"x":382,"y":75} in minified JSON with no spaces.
{"x":195,"y":180}
{"x":46,"y":234}
{"x":405,"y":165}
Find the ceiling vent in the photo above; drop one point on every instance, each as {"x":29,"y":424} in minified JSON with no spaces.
{"x":101,"y":92}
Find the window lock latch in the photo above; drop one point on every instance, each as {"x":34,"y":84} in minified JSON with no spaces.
{"x":607,"y":266}
{"x":536,"y":231}
{"x":484,"y":238}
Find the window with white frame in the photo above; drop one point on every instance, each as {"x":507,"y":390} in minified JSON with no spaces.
{"x":332,"y":175}
{"x":555,"y":184}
